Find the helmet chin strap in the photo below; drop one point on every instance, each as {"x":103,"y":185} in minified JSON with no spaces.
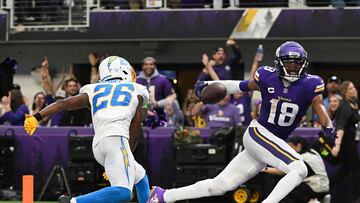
{"x":290,"y":77}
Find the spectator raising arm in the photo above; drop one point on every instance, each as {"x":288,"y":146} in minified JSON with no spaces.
{"x":235,"y":48}
{"x":46,"y":80}
{"x":222,"y":66}
{"x":94,"y":62}
{"x":14,"y":108}
{"x":209,"y":67}
{"x":257,"y":58}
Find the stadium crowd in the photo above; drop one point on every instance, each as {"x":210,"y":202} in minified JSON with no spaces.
{"x":164,"y":102}
{"x":29,"y":12}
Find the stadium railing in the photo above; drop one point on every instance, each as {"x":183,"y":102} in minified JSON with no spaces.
{"x":53,"y":15}
{"x":47,"y":14}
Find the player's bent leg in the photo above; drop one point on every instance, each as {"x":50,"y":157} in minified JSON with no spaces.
{"x":119,"y":165}
{"x":143,"y":189}
{"x":238,"y":171}
{"x":113,"y":194}
{"x":119,"y":162}
{"x":141,"y":184}
{"x":98,"y":153}
{"x":297,"y":172}
{"x":266,"y":147}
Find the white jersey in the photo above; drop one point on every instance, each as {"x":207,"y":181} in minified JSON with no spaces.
{"x":113,"y":105}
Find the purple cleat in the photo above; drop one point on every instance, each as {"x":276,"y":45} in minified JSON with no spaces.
{"x":157,"y":195}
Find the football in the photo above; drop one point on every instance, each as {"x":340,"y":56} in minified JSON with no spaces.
{"x":213,"y":93}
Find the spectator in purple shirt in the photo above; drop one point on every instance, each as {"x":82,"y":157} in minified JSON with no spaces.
{"x":219,"y":67}
{"x":14,"y":108}
{"x":159,"y":86}
{"x":242,"y":101}
{"x":222,"y":114}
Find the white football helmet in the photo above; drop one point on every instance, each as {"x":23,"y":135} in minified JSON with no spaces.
{"x":114,"y":67}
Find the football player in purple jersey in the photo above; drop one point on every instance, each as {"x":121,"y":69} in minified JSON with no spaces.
{"x":287,"y":91}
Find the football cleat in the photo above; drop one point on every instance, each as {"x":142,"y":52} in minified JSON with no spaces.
{"x":157,"y":195}
{"x":64,"y":199}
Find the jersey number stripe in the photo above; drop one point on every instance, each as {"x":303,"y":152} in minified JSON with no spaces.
{"x":287,"y":110}
{"x":121,"y":95}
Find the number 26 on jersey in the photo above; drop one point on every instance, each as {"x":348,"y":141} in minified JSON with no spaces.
{"x":115,"y":95}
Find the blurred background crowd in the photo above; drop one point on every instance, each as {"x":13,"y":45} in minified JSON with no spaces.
{"x":167,"y":106}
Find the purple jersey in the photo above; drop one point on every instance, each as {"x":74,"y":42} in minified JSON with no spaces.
{"x":283,"y":107}
{"x":223,"y":70}
{"x":221,"y":116}
{"x":243,"y":104}
{"x":160,"y":84}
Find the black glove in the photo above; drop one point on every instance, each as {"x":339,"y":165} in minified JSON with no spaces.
{"x":330,"y":134}
{"x":199,"y":86}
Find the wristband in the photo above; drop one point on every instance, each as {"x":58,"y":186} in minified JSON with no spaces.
{"x":38,"y":116}
{"x":244,"y":86}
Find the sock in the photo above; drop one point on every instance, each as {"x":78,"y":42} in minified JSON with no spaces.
{"x":113,"y":194}
{"x":143,"y":189}
{"x":284,"y":187}
{"x":197,"y":190}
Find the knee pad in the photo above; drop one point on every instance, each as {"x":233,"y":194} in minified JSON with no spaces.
{"x":299,"y":167}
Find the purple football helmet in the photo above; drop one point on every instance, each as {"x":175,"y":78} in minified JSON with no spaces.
{"x":291,"y":61}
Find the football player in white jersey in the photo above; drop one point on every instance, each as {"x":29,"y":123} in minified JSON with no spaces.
{"x":115,"y":103}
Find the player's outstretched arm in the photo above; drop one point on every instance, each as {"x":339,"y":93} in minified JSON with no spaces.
{"x":135,"y":125}
{"x":71,"y":103}
{"x":232,"y":86}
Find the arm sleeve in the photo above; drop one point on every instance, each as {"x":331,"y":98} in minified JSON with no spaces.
{"x":257,"y":77}
{"x":342,"y":115}
{"x":233,"y":86}
{"x":143,"y":92}
{"x":320,"y":87}
{"x":84,"y":89}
